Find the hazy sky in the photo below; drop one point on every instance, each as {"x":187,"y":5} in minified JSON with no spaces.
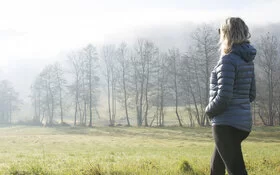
{"x":34,"y":32}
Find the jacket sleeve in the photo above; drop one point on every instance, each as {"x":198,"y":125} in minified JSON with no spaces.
{"x":252,"y":94}
{"x":225,"y":80}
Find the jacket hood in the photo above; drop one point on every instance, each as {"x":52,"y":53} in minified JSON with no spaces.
{"x":246,"y":51}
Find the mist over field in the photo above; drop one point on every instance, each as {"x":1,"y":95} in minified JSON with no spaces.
{"x":21,"y":72}
{"x":37,"y":35}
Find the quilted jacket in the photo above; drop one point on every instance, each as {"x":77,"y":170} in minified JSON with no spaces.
{"x":232,"y":88}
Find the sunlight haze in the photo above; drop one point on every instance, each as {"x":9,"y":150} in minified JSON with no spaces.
{"x":34,"y":33}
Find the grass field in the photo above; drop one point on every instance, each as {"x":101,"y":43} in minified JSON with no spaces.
{"x":125,"y":151}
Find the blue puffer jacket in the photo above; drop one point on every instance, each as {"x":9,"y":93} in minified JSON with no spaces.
{"x":232,"y":88}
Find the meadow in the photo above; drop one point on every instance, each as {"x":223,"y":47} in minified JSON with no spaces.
{"x":126,"y":150}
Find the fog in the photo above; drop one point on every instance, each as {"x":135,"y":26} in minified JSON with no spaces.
{"x":34,"y":34}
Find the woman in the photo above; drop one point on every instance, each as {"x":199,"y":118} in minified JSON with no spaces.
{"x":232,"y":89}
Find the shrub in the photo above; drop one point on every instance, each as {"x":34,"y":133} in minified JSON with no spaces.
{"x":185,"y":167}
{"x":93,"y":170}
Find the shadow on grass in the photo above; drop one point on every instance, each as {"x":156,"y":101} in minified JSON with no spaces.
{"x":258,"y":134}
{"x":264,"y":133}
{"x":170,"y":133}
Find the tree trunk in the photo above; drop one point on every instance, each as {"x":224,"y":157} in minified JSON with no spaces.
{"x":90,"y":93}
{"x":109,"y":97}
{"x":270,"y":100}
{"x":125,"y":98}
{"x":146,"y":97}
{"x":60,"y":103}
{"x":113,"y":102}
{"x":176,"y":93}
{"x":76,"y":101}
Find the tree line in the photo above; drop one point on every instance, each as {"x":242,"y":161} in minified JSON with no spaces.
{"x":144,"y":81}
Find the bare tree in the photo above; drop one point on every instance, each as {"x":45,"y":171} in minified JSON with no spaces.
{"x":151,"y":55}
{"x":142,"y":64}
{"x":36,"y":96}
{"x":162,"y":87}
{"x":60,"y":84}
{"x":77,"y":87}
{"x":109,"y":56}
{"x":205,"y":56}
{"x":49,"y":92}
{"x":123,"y":61}
{"x":90,"y":56}
{"x":84,"y":68}
{"x":192,"y":88}
{"x":9,"y":101}
{"x":175,"y":59}
{"x":268,"y":63}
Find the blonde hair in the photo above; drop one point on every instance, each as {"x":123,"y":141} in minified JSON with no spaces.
{"x":233,"y":31}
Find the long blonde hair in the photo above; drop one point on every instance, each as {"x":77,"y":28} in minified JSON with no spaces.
{"x":233,"y":31}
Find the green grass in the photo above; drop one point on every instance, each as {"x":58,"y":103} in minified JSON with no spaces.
{"x":126,"y":151}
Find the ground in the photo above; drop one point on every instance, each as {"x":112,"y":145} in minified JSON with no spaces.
{"x":126,"y":150}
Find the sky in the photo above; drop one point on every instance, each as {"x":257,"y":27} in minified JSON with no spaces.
{"x":34,"y":33}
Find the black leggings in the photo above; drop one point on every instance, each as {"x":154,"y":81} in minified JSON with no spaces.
{"x":227,"y":153}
